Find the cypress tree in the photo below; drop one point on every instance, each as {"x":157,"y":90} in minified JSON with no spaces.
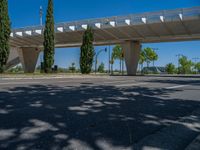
{"x":49,"y":39}
{"x":87,"y":52}
{"x":4,"y":34}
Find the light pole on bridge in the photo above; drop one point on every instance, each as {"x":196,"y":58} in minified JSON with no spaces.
{"x":41,"y":14}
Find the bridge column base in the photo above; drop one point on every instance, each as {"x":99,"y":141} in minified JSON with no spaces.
{"x":28,"y":58}
{"x":132,"y":54}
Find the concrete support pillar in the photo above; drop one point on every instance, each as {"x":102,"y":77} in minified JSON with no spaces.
{"x":28,"y":58}
{"x":132,"y":54}
{"x":13,"y":58}
{"x":13,"y":54}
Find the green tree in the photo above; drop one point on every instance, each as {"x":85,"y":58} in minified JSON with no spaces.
{"x":49,"y":37}
{"x":112,"y":61}
{"x":87,"y":52}
{"x":142,"y":59}
{"x":72,"y":68}
{"x":170,"y":68}
{"x":118,"y":54}
{"x":154,"y":57}
{"x":4,"y":34}
{"x":101,"y":68}
{"x":150,"y":55}
{"x":197,"y":66}
{"x":185,"y":65}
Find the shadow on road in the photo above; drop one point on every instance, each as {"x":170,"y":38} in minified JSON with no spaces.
{"x":85,"y":117}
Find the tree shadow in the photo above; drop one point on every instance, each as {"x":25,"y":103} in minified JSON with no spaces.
{"x":86,"y":116}
{"x":181,"y":81}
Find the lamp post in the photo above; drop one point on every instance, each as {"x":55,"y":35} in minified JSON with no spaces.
{"x":109,"y":60}
{"x":41,"y":13}
{"x":97,"y":57}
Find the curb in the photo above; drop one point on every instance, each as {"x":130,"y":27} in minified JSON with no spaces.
{"x":51,"y":77}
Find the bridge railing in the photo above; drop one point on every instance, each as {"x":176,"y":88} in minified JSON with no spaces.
{"x":110,"y":22}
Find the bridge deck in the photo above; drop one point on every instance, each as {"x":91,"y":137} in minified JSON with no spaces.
{"x":163,"y":26}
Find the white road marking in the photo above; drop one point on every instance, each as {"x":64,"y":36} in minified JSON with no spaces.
{"x":19,"y":83}
{"x":74,"y":81}
{"x":64,"y":81}
{"x":130,"y":84}
{"x":117,"y":81}
{"x":41,"y":82}
{"x":176,"y":87}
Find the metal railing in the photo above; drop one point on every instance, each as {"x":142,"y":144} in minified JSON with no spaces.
{"x":135,"y":19}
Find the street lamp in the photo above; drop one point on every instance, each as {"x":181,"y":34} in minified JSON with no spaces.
{"x":97,"y":57}
{"x":109,"y":68}
{"x":41,"y":13}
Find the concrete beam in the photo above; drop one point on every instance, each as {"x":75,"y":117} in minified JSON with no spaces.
{"x":28,"y":58}
{"x":132,"y":53}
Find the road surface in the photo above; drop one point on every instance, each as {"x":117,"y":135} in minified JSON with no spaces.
{"x":99,"y":113}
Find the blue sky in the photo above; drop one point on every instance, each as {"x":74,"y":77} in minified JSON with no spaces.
{"x":26,"y":13}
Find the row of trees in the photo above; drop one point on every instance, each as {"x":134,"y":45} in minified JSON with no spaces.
{"x":186,"y":66}
{"x":117,"y":54}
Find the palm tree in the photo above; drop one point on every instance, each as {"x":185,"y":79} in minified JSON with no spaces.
{"x":150,"y":55}
{"x":142,"y":59}
{"x":112,"y":62}
{"x":118,"y":54}
{"x":154,"y":57}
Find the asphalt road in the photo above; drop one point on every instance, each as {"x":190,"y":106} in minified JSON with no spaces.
{"x":99,"y":113}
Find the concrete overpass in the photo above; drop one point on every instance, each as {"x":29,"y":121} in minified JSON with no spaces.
{"x":129,"y":31}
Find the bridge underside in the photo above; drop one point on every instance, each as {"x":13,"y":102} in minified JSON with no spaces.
{"x":129,"y":31}
{"x":184,"y":30}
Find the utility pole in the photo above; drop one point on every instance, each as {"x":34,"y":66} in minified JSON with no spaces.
{"x":41,"y":14}
{"x":109,"y":59}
